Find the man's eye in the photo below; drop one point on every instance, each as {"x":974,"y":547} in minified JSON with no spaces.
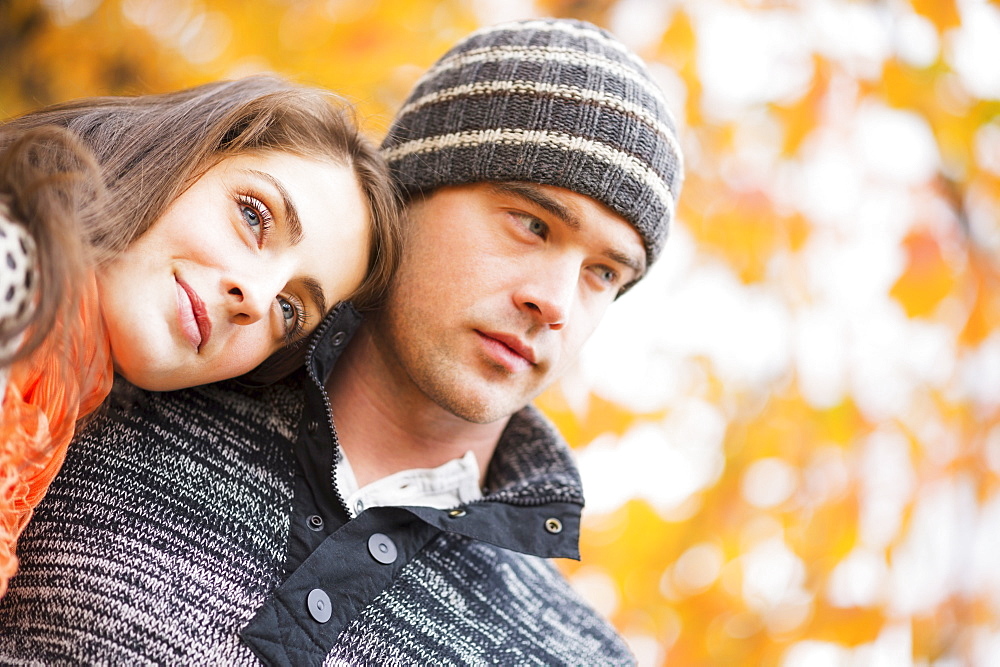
{"x":607,"y":274}
{"x":533,"y":224}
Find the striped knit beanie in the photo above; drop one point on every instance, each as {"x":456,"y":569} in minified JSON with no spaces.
{"x":550,"y":101}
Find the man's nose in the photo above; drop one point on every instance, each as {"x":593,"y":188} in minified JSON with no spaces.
{"x":548,"y":293}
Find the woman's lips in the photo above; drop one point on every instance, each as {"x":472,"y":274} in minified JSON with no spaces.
{"x":195,"y":325}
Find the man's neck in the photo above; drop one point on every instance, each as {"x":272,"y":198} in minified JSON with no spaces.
{"x":385,"y":424}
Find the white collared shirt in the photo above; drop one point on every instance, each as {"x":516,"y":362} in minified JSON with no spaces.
{"x":449,"y":485}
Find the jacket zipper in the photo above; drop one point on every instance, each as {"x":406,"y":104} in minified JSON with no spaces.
{"x":329,"y":418}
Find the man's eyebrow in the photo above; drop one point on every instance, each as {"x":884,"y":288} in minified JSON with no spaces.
{"x":637,"y":265}
{"x":292,"y":222}
{"x":535,"y":195}
{"x":532,"y":193}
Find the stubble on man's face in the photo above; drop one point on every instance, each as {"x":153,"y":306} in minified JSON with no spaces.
{"x":427,"y":332}
{"x":485,"y":313}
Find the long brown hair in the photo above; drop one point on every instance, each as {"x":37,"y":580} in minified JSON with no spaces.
{"x":146,"y":150}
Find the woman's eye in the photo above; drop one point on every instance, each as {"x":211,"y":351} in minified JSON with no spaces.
{"x":252,"y":218}
{"x":288,"y":310}
{"x":294,"y":319}
{"x":256,"y":215}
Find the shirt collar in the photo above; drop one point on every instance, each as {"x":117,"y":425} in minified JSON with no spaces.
{"x":451,"y":484}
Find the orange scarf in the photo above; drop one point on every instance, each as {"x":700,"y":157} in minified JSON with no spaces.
{"x":67,"y":378}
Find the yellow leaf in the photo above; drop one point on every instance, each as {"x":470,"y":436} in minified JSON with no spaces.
{"x":744,"y":228}
{"x":600,"y":416}
{"x":788,"y":420}
{"x":942,"y":13}
{"x":798,"y":118}
{"x":825,"y":536}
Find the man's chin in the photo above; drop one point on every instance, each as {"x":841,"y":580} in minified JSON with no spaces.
{"x":481,"y":407}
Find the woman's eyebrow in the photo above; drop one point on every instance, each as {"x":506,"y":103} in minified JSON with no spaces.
{"x":294,"y":231}
{"x":312,"y":286}
{"x":292,"y":222}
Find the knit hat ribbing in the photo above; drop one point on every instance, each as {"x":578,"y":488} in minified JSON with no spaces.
{"x":551,"y":101}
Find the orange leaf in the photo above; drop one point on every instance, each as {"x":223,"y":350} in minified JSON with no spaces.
{"x":678,"y":48}
{"x":851,"y":627}
{"x":984,"y":318}
{"x":678,"y":44}
{"x":927,"y":279}
{"x":900,"y":84}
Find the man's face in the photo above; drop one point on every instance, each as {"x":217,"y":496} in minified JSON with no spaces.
{"x":500,"y":286}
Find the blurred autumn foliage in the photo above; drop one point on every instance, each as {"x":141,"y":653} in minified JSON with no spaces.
{"x":790,"y":431}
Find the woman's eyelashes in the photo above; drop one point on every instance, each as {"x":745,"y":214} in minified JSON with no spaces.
{"x":256,"y":215}
{"x":294,"y":317}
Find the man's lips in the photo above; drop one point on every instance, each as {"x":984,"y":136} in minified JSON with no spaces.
{"x":510,"y":351}
{"x":193,"y":316}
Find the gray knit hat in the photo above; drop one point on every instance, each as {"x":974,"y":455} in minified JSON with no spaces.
{"x":551,"y":101}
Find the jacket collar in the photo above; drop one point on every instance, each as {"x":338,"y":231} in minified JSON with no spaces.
{"x":319,"y":352}
{"x":531,"y":474}
{"x":532,"y":462}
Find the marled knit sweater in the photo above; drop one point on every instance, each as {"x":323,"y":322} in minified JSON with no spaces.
{"x":165,"y":536}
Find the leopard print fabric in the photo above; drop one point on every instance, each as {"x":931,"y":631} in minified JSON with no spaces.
{"x":17,"y":252}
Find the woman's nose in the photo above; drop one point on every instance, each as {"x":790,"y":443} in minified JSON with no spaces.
{"x":249,"y":300}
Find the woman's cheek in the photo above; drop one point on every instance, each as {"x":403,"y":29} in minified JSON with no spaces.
{"x":245,"y":350}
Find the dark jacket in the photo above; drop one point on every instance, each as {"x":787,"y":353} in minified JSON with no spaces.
{"x":203,"y":526}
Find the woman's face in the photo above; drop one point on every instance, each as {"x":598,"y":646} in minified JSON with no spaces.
{"x":248,"y":259}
